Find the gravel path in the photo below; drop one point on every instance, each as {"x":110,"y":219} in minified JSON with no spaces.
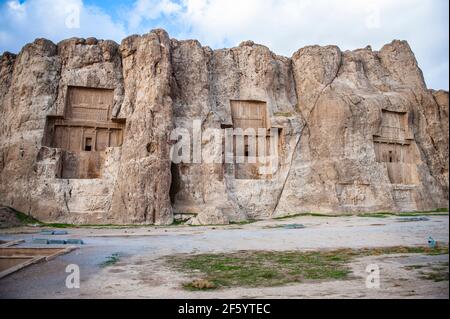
{"x":141,"y":273}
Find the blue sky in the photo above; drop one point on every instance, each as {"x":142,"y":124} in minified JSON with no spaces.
{"x":283,"y":25}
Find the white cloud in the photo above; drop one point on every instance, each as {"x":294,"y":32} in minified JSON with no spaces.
{"x":21,"y":23}
{"x":287,"y":25}
{"x":283,"y":25}
{"x":151,"y":10}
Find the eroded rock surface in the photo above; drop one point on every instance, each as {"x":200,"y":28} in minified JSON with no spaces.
{"x":86,"y":126}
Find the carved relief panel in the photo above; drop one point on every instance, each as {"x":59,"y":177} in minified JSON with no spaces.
{"x":251,"y":115}
{"x":85,"y":131}
{"x":90,"y":104}
{"x":394,"y":146}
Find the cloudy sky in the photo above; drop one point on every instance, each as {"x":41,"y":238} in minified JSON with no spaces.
{"x":283,"y":25}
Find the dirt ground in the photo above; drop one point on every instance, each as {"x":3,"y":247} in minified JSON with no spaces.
{"x":141,"y":272}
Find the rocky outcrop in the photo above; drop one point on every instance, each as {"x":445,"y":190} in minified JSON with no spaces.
{"x":205,"y":83}
{"x":142,"y":189}
{"x":135,"y":179}
{"x":30,"y":95}
{"x":356,"y":131}
{"x":347,"y":95}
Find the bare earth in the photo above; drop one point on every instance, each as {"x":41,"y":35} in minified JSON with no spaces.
{"x":141,"y":272}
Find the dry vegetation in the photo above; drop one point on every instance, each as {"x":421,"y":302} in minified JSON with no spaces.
{"x":275,"y":268}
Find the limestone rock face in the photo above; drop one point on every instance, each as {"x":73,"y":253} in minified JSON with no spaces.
{"x":142,"y":190}
{"x":88,"y":125}
{"x":205,"y":83}
{"x":366,"y":103}
{"x":28,"y":95}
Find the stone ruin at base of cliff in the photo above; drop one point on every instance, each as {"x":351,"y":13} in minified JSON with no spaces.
{"x":85,"y":135}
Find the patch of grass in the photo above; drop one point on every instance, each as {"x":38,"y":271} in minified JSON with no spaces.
{"x":309,"y":214}
{"x":24,"y":218}
{"x":376,"y":215}
{"x":436,"y":274}
{"x":427,"y":213}
{"x":245,"y":222}
{"x":288,"y":216}
{"x":437,"y":212}
{"x":94,"y":226}
{"x":97,"y":226}
{"x":58,"y":225}
{"x":273,"y":268}
{"x":111,"y":260}
{"x":440,"y":210}
{"x":440,"y":250}
{"x":30,"y":220}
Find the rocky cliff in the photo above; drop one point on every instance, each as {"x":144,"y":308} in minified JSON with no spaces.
{"x":86,"y":126}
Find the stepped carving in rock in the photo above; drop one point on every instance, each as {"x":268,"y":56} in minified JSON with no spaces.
{"x":88,"y":126}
